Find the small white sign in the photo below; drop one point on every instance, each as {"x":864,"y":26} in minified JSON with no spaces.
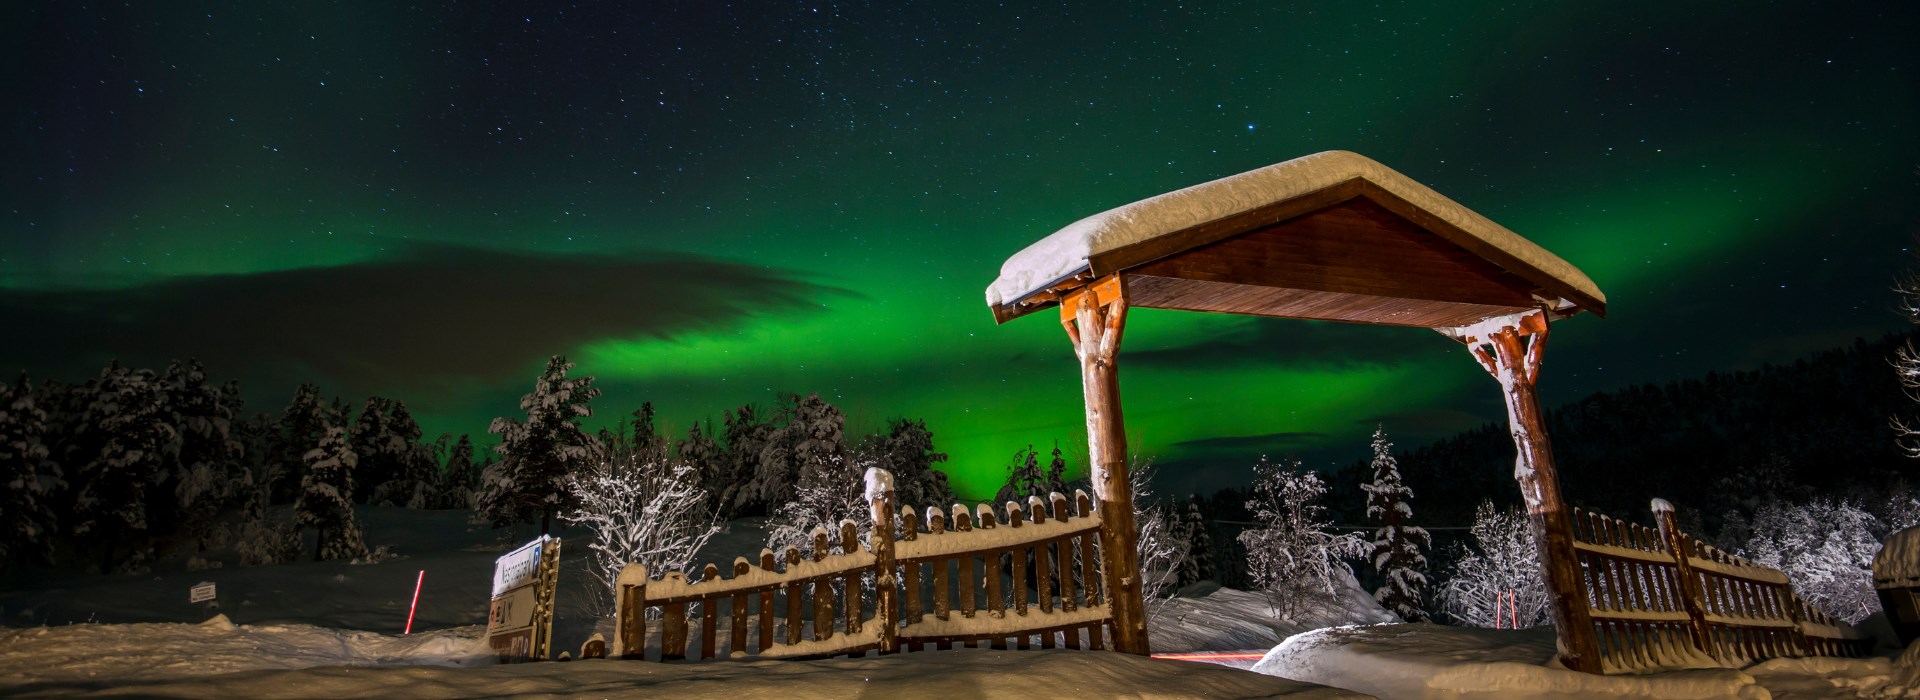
{"x":200,"y":592}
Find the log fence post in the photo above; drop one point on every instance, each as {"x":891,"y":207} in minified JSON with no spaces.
{"x":886,"y":587}
{"x":1692,"y":596}
{"x":632,"y":617}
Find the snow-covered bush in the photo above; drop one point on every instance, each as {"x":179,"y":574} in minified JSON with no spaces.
{"x":1290,"y":554}
{"x":650,"y":512}
{"x":1398,"y":549}
{"x":1826,"y":548}
{"x":1496,"y":582}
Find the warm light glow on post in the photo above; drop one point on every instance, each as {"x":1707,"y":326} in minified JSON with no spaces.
{"x":416,"y":601}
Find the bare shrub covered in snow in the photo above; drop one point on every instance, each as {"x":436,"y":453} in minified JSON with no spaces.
{"x":1162,"y":546}
{"x":1502,"y":565}
{"x":1291,"y":555}
{"x":650,"y":512}
{"x":1826,"y":548}
{"x":828,"y":492}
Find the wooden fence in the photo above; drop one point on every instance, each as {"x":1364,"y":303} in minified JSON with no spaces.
{"x":1017,"y":577}
{"x":1653,"y":608}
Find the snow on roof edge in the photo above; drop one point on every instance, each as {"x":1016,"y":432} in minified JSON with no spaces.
{"x":1066,"y":251}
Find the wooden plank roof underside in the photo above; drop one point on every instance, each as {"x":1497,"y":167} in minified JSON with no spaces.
{"x":1332,"y":236}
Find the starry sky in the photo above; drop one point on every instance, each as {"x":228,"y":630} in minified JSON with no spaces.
{"x":707,"y":204}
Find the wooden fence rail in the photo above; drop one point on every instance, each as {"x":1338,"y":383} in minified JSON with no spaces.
{"x":960,"y":576}
{"x":1660,"y":598}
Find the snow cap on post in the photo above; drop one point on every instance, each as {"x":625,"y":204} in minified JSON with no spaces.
{"x":631,"y":575}
{"x":879,"y":482}
{"x":1661,"y":505}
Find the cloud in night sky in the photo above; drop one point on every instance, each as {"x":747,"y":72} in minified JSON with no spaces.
{"x":1424,"y":423}
{"x":429,"y":316}
{"x":1297,"y":343}
{"x":1251,"y":443}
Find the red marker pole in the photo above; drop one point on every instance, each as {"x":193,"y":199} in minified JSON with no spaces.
{"x":416,"y":601}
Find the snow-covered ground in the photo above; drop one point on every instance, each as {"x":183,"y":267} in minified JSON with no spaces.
{"x":309,"y":629}
{"x":219,"y":659}
{"x":1206,"y":617}
{"x":1403,"y":661}
{"x":332,"y":629}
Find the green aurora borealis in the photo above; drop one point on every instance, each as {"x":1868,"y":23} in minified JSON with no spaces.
{"x":1738,"y":177}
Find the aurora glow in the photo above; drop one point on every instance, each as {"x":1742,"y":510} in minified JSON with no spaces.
{"x":845,"y":180}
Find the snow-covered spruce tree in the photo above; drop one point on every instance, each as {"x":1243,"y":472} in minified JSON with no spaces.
{"x":371,"y":438}
{"x":114,"y":487}
{"x":207,"y":472}
{"x":644,"y":510}
{"x":1056,"y":470}
{"x":1024,"y":478}
{"x":1502,"y":565}
{"x":906,"y":451}
{"x":1199,"y":562}
{"x":1399,"y":548}
{"x":1826,"y":548}
{"x":459,"y":476}
{"x":301,"y":426}
{"x":538,"y":455}
{"x":1291,"y":555}
{"x":812,"y":438}
{"x":417,"y":478}
{"x":709,"y":460}
{"x":828,"y":484}
{"x":746,"y":436}
{"x":29,"y":481}
{"x":326,"y":498}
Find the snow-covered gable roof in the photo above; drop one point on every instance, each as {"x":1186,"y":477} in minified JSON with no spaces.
{"x":1076,"y":248}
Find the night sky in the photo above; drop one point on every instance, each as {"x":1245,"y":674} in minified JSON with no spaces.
{"x":706,"y":205}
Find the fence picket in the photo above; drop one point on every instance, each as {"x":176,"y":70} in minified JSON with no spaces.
{"x":822,"y":590}
{"x":796,"y":596}
{"x":709,"y":614}
{"x":737,"y":640}
{"x":849,"y":544}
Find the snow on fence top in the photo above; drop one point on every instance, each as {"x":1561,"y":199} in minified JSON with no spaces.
{"x":1066,"y":251}
{"x":1898,"y":563}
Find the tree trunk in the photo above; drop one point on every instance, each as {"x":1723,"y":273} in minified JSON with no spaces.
{"x":319,"y":541}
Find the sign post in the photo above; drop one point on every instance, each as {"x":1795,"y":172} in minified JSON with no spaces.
{"x":520,"y":617}
{"x":204,"y":592}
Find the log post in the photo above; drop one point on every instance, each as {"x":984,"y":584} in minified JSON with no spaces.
{"x":1692,"y":598}
{"x":630,"y":613}
{"x":1094,"y":317}
{"x":885,"y":586}
{"x":1509,"y":348}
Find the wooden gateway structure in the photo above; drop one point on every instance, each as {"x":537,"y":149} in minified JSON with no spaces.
{"x":1332,"y":236}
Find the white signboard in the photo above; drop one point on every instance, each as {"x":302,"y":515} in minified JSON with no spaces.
{"x":520,"y":616}
{"x":200,"y":592}
{"x":520,"y":567}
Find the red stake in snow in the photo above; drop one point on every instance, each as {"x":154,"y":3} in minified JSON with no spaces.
{"x":416,"y":601}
